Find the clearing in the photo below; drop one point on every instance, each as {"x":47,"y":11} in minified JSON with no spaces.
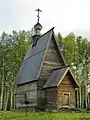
{"x":19,"y":115}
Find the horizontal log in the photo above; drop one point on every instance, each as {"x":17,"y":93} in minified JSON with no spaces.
{"x":49,"y":67}
{"x":51,"y":63}
{"x":51,"y":50}
{"x":52,"y":56}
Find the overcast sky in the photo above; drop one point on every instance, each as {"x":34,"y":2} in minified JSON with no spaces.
{"x":65,"y":15}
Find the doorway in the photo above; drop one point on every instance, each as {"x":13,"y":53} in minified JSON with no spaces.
{"x":66,"y":97}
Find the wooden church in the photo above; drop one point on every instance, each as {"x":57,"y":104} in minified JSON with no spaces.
{"x":43,"y":79}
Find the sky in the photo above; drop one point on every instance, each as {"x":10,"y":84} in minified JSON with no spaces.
{"x":65,"y":15}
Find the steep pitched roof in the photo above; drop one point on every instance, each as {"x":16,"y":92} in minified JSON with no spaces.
{"x":29,"y":70}
{"x":56,"y":77}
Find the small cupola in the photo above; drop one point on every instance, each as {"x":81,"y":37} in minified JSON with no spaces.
{"x":37,"y":28}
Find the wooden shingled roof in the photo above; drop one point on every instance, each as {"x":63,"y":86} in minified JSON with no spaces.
{"x":57,"y":76}
{"x":32,"y":63}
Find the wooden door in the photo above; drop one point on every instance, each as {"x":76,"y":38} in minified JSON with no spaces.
{"x":66,"y":99}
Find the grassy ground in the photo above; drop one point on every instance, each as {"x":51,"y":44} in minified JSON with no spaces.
{"x":18,"y":115}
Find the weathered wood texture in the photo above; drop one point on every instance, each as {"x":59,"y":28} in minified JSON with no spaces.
{"x":67,"y":86}
{"x":40,"y":93}
{"x":51,"y":97}
{"x":30,"y":90}
{"x":55,"y":95}
{"x":51,"y":61}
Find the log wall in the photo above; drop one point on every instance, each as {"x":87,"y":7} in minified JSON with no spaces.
{"x":51,"y":97}
{"x":30,"y":89}
{"x":54,"y":95}
{"x":51,"y":61}
{"x":66,"y":86}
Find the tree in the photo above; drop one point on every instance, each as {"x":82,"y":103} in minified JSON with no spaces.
{"x":12,"y":51}
{"x":76,"y":53}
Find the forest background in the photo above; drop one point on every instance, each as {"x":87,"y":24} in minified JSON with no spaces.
{"x":13,"y":47}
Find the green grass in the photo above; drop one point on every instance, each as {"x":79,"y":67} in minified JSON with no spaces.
{"x":18,"y":115}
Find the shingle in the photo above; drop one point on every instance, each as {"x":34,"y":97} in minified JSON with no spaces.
{"x":32,"y":61}
{"x":41,"y":44}
{"x":30,"y":69}
{"x":55,"y":77}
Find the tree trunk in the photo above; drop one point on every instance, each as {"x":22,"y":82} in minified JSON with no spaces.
{"x":11,"y":98}
{"x":80,"y":96}
{"x":2,"y":95}
{"x":2,"y":91}
{"x":7,"y":98}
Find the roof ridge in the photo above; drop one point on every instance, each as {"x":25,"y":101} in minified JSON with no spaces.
{"x":34,"y":63}
{"x":43,"y":34}
{"x":46,"y":32}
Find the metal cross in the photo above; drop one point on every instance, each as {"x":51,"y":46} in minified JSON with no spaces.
{"x":38,"y":14}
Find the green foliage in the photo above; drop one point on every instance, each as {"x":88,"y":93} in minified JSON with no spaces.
{"x":12,"y":51}
{"x":13,"y":47}
{"x":76,"y":53}
{"x":43,"y":116}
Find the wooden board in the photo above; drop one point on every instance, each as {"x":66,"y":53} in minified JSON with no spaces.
{"x":66,"y":90}
{"x":28,"y":90}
